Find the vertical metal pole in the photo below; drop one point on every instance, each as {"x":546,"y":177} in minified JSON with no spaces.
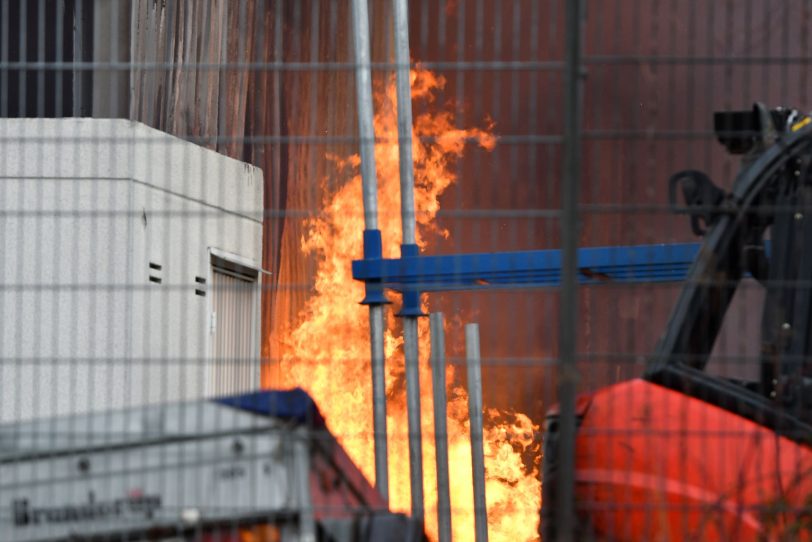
{"x":302,"y":439}
{"x":379,"y":400}
{"x":404,"y":94}
{"x":568,"y":372}
{"x":438,"y":369}
{"x":363,"y":83}
{"x":413,"y":411}
{"x":363,"y":92}
{"x":111,"y":43}
{"x":78,"y":56}
{"x":474,"y":370}
{"x":411,"y":300}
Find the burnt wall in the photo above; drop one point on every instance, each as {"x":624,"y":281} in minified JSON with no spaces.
{"x":654,"y":73}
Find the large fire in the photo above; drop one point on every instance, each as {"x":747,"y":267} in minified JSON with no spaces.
{"x":327,"y":352}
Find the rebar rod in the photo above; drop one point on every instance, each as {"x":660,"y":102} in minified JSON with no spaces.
{"x":438,"y":368}
{"x":472,"y":358}
{"x":363,"y":82}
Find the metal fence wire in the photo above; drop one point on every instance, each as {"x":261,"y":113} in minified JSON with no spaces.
{"x":367,"y":270}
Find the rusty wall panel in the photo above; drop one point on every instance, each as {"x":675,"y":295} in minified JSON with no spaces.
{"x":205,"y":103}
{"x":644,"y":119}
{"x":207,"y":93}
{"x":219,"y":107}
{"x":631,"y":106}
{"x":317,"y":103}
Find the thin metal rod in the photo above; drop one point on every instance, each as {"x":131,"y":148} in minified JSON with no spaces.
{"x":376,"y":323}
{"x":410,"y":345}
{"x":366,"y":130}
{"x":78,"y":55}
{"x":404,"y":96}
{"x":568,"y":319}
{"x":413,"y":413}
{"x":307,"y":521}
{"x":438,"y":368}
{"x":363,"y":83}
{"x":474,"y":370}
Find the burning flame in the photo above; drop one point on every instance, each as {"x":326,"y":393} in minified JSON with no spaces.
{"x":327,"y":352}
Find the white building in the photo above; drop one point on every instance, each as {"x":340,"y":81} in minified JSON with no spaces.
{"x":130,"y":271}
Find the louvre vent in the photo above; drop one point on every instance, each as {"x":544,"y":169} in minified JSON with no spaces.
{"x":155,"y":272}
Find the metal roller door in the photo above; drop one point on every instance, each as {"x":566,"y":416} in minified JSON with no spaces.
{"x":236,"y":366}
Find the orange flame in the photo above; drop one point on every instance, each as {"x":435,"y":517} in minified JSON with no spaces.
{"x":327,"y":353}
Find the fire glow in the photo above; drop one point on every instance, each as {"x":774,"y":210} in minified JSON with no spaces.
{"x":327,"y":351}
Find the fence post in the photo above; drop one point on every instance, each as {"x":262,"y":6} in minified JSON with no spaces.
{"x":568,"y":321}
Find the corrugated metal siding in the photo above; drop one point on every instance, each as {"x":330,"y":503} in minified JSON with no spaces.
{"x":236,"y":366}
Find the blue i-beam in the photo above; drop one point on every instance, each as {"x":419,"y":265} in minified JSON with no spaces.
{"x":527,"y":269}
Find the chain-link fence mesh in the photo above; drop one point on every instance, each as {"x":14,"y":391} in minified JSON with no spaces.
{"x":189,"y":276}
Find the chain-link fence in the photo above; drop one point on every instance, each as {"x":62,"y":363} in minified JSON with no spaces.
{"x":251,"y":292}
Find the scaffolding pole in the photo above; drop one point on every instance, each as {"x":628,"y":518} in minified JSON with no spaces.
{"x":438,"y":368}
{"x":404,"y":96}
{"x":411,"y":300}
{"x":472,"y":359}
{"x":372,"y":242}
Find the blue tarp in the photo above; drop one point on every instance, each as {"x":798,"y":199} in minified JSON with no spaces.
{"x":293,"y":404}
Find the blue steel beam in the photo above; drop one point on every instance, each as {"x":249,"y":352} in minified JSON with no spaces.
{"x":528,"y":269}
